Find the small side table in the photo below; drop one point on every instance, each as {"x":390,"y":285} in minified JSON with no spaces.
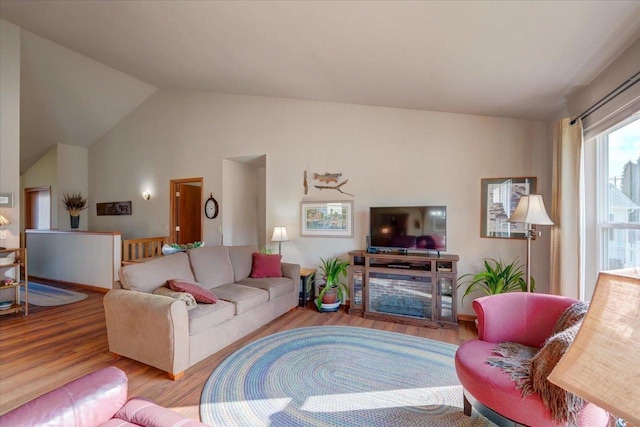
{"x":306,"y":279}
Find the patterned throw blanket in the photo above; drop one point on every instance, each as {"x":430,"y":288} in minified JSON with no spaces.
{"x":529,"y":367}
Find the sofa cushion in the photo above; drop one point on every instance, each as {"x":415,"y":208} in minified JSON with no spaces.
{"x":243,"y":297}
{"x":150,"y":275}
{"x":276,"y":286}
{"x":211,"y":266}
{"x":241,"y":260}
{"x":118,"y":422}
{"x":199,"y":293}
{"x":143,"y":412}
{"x":266,"y":265}
{"x":205,"y":316}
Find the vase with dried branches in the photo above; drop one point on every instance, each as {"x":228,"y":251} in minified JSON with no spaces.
{"x":74,"y":203}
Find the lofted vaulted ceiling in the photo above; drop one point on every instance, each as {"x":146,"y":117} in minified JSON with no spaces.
{"x":86,"y":64}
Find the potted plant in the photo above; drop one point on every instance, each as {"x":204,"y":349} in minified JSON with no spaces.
{"x":74,"y":203}
{"x":497,"y":278}
{"x":333,"y":290}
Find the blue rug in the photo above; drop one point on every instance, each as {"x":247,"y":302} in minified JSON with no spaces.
{"x":337,"y":376}
{"x":48,"y":296}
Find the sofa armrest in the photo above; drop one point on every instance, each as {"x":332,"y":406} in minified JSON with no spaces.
{"x":521,"y":317}
{"x":90,"y":400}
{"x":292,"y":271}
{"x":152,"y":329}
{"x":141,"y":411}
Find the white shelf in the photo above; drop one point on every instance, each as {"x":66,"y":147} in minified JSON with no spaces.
{"x":20,"y":257}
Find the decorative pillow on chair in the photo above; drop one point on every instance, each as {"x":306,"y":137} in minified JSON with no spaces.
{"x":266,"y":265}
{"x":199,"y":293}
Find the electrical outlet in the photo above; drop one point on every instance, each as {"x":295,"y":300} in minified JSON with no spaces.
{"x":3,"y":234}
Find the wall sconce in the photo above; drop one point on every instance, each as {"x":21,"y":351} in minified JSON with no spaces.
{"x":279,"y":235}
{"x":146,"y":194}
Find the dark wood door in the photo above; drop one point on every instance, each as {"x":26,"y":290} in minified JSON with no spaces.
{"x":189,"y":213}
{"x":37,"y":208}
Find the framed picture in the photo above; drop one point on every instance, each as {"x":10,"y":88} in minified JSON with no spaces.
{"x":114,"y":208}
{"x":500,"y":196}
{"x":326,"y":219}
{"x":6,"y":200}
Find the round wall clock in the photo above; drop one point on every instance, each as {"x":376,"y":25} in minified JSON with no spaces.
{"x":211,"y":207}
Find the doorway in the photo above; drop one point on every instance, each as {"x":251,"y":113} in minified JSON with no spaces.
{"x":37,"y":208}
{"x":185,"y":210}
{"x":244,"y":207}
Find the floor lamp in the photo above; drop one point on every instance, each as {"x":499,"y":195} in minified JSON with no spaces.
{"x":530,"y":211}
{"x":279,"y":235}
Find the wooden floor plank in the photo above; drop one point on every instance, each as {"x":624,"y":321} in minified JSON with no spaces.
{"x":54,"y":345}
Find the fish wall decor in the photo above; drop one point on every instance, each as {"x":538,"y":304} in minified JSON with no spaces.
{"x":327,"y":177}
{"x":336,"y":187}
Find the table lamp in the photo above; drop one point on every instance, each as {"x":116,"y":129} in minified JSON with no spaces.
{"x":279,"y":235}
{"x":3,"y":233}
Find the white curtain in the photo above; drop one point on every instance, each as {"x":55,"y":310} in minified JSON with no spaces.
{"x":566,"y":210}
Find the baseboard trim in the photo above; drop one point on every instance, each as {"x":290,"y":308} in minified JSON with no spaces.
{"x":467,"y":317}
{"x":63,"y":283}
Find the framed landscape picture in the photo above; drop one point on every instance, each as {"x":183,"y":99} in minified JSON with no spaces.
{"x":500,"y":196}
{"x":326,"y":219}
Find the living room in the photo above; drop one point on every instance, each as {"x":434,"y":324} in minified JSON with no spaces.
{"x":420,"y":151}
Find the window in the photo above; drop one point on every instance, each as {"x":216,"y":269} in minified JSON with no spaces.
{"x":619,"y":195}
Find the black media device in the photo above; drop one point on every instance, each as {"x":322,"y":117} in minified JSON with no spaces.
{"x":403,"y":229}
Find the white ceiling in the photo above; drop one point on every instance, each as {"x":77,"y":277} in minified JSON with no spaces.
{"x":510,"y":59}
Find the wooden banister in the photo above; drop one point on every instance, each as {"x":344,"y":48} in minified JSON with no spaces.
{"x":134,"y":249}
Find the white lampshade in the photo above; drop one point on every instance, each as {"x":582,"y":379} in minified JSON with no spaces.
{"x":279,"y":234}
{"x":601,"y":365}
{"x":530,"y":210}
{"x":4,"y":221}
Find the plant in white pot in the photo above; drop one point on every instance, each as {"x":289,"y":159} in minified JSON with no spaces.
{"x":333,"y":290}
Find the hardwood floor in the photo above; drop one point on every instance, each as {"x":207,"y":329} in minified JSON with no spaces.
{"x":55,"y":345}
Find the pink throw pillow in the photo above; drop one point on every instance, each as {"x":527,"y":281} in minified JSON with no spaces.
{"x":266,"y":265}
{"x":199,"y":293}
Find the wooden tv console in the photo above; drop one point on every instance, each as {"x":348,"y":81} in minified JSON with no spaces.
{"x":414,"y":289}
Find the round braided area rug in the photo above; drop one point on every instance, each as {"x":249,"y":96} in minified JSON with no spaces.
{"x":337,"y":376}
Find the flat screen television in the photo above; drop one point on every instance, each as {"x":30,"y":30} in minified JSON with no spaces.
{"x":408,"y":228}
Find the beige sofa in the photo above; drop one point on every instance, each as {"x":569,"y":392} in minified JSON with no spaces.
{"x":160,"y":331}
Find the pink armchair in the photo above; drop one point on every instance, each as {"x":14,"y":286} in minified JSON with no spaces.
{"x":97,"y":399}
{"x":517,"y":317}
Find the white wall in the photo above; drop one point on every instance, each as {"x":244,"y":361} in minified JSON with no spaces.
{"x":66,"y":169}
{"x":45,"y":172}
{"x":240,"y":206}
{"x":73,"y":176}
{"x":625,"y":66}
{"x":10,"y":128}
{"x":264,"y":235}
{"x":390,"y":157}
{"x":77,"y":258}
